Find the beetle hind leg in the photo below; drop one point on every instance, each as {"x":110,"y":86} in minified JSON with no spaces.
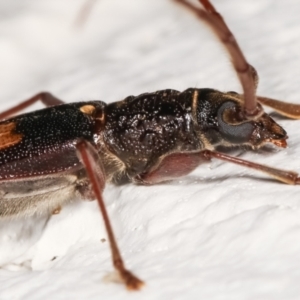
{"x":46,"y":98}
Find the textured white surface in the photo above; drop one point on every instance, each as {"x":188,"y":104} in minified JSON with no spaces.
{"x":223,"y":232}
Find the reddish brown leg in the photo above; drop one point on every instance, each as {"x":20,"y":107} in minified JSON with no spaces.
{"x":287,"y":177}
{"x":179,"y":164}
{"x":170,"y":167}
{"x":46,"y":98}
{"x":90,"y":159}
{"x":246,"y":73}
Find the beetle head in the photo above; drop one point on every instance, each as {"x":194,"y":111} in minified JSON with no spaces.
{"x":235,"y":128}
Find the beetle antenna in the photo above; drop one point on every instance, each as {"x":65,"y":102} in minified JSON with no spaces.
{"x":246,"y":72}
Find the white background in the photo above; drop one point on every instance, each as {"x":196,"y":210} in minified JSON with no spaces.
{"x":223,"y":232}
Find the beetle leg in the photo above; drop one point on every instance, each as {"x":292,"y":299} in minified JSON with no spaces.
{"x":288,"y":177}
{"x":171,"y":167}
{"x":90,"y":159}
{"x":45,"y":97}
{"x":246,"y":73}
{"x":179,"y":164}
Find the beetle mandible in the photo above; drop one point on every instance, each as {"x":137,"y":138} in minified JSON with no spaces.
{"x":143,"y":139}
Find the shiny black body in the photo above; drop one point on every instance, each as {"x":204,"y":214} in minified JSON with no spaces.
{"x":48,"y":137}
{"x":140,"y":129}
{"x":137,"y":131}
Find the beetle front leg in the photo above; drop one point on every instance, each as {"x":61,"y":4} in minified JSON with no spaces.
{"x":176,"y":165}
{"x":46,"y":98}
{"x":288,"y":177}
{"x":90,"y":159}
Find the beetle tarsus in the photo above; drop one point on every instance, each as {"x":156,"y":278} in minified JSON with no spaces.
{"x":132,"y":282}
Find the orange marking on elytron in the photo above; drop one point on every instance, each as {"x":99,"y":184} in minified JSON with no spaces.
{"x":87,"y":109}
{"x":9,"y":138}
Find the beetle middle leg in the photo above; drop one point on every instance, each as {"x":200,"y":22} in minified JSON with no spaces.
{"x":46,"y":98}
{"x":179,"y":164}
{"x":90,"y":159}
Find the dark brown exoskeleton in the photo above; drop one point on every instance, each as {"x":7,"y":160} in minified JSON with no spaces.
{"x":66,"y":151}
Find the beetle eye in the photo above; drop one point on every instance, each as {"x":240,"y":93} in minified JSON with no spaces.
{"x":231,"y":126}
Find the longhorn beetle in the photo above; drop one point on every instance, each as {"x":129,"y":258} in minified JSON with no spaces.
{"x":67,"y":151}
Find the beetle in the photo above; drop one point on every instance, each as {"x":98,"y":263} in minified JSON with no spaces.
{"x":66,"y":151}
